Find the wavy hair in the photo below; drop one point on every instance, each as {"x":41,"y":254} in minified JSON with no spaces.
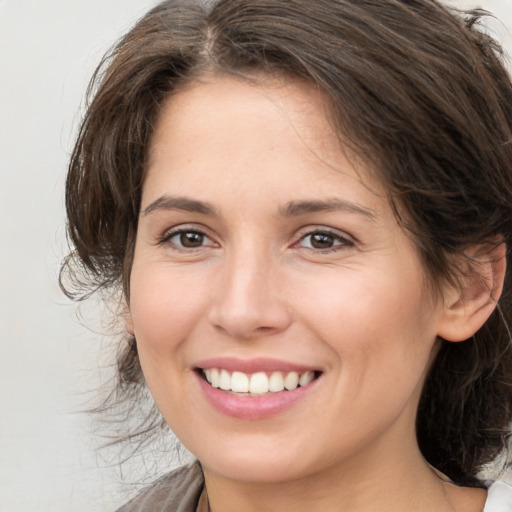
{"x":419,"y":91}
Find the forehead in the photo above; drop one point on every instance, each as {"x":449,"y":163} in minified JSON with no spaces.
{"x":221,"y":99}
{"x":220,"y":122}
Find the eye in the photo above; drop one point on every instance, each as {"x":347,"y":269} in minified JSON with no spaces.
{"x":187,"y":239}
{"x":324,"y":241}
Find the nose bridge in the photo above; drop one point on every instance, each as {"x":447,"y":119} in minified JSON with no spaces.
{"x":249,"y":302}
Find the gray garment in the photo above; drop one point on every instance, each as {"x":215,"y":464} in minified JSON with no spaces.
{"x":183,"y":490}
{"x":180,"y":490}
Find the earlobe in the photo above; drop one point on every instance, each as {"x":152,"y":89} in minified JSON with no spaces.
{"x":467,"y":308}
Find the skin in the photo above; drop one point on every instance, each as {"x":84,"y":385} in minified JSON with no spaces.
{"x":255,"y":285}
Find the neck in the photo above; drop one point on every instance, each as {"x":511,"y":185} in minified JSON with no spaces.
{"x":402,"y":482}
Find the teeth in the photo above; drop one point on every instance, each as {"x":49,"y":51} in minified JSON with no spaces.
{"x":239,"y":382}
{"x":257,"y":383}
{"x":306,"y":378}
{"x":225,"y":380}
{"x":276,"y":382}
{"x":291,"y":381}
{"x":215,"y":377}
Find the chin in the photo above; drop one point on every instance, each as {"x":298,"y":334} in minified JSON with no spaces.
{"x":255,"y":470}
{"x":257,"y":460}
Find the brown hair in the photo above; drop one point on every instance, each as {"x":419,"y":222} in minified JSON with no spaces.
{"x":418,"y":91}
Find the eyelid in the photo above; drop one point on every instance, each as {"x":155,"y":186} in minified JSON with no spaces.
{"x":185,"y":228}
{"x":345,"y":239}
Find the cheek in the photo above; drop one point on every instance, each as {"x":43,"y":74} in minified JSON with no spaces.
{"x":165,"y":309}
{"x":374,"y":324}
{"x":165,"y":306}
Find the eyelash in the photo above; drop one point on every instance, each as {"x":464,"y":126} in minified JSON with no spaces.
{"x":168,"y":236}
{"x":340,"y":242}
{"x":344,"y":241}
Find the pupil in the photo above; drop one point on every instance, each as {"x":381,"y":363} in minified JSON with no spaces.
{"x":321,"y":241}
{"x":191,"y":239}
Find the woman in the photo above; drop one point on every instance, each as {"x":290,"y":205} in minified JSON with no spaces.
{"x":307,"y":206}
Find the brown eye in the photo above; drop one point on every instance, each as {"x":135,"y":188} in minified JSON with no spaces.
{"x":187,"y":239}
{"x":191,"y":239}
{"x":322,"y":241}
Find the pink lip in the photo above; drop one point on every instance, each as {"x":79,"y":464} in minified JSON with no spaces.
{"x":252,"y":407}
{"x":233,"y":364}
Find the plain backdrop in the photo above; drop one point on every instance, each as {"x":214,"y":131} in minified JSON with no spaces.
{"x":48,"y":359}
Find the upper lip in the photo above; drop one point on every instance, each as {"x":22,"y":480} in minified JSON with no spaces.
{"x":253,"y":365}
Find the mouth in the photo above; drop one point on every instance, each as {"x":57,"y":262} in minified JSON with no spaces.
{"x":256,"y":384}
{"x":255,"y":389}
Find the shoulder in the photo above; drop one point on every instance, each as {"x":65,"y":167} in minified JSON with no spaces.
{"x":177,"y":491}
{"x":499,"y":498}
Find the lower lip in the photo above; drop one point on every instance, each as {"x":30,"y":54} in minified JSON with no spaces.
{"x":253,"y":407}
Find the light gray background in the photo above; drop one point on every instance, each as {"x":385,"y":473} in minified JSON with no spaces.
{"x":48,"y":359}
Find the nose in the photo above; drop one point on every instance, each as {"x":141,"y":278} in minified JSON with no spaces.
{"x":250,"y":298}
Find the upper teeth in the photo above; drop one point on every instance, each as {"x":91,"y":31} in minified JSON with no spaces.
{"x":257,"y":383}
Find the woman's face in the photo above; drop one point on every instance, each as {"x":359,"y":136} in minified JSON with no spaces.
{"x":263,"y":257}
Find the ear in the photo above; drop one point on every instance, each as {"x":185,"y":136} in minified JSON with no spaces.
{"x":467,"y":308}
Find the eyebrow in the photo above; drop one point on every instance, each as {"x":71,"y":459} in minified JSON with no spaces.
{"x":291,"y":209}
{"x":296,"y":208}
{"x":180,"y":203}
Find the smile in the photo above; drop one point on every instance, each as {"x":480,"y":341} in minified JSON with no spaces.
{"x":255,"y":389}
{"x":258,"y":383}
